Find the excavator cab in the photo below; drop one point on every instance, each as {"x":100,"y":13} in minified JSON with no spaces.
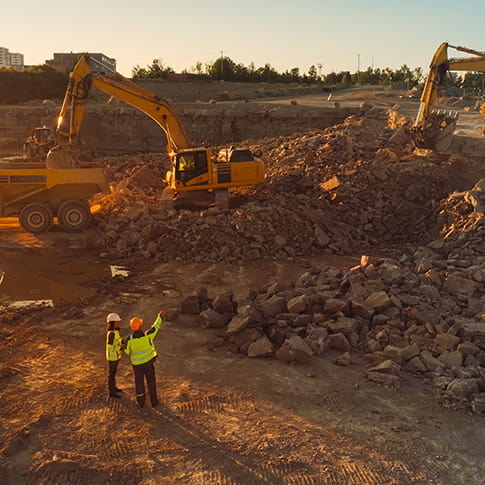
{"x":191,"y":167}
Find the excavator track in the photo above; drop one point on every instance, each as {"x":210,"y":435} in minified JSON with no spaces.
{"x":166,"y":200}
{"x":221,"y":198}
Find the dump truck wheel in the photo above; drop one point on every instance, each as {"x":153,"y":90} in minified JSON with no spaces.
{"x":74,"y":215}
{"x":36,"y":218}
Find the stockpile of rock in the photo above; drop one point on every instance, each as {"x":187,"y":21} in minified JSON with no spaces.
{"x":325,"y":192}
{"x":461,"y":220}
{"x":423,"y":313}
{"x":375,"y":199}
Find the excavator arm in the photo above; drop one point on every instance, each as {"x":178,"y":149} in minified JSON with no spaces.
{"x":194,"y":172}
{"x":81,"y":80}
{"x":434,"y":130}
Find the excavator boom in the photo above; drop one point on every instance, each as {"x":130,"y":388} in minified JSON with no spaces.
{"x":81,"y":79}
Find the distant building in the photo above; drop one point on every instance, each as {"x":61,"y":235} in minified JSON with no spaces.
{"x":11,"y":59}
{"x":4,"y":57}
{"x":65,"y":62}
{"x":17,"y":61}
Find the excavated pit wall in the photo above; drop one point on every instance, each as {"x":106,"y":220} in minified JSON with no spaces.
{"x":117,"y":128}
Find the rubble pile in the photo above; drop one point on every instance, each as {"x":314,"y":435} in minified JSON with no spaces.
{"x":461,"y":221}
{"x":325,"y":192}
{"x":423,"y":313}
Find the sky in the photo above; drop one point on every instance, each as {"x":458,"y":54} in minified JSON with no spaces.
{"x":340,"y":35}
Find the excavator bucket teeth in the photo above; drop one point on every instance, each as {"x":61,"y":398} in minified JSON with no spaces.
{"x":444,"y":137}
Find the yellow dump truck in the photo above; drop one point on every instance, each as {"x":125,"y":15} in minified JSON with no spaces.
{"x":37,"y":194}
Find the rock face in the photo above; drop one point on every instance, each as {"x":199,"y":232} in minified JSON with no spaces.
{"x":118,"y":128}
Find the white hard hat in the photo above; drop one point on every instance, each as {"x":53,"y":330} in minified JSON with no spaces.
{"x":113,"y":317}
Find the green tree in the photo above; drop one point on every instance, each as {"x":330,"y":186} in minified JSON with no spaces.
{"x":198,"y":68}
{"x":312,"y":73}
{"x":157,"y":70}
{"x":36,"y":82}
{"x":346,"y":79}
{"x":222,"y":69}
{"x":332,"y":79}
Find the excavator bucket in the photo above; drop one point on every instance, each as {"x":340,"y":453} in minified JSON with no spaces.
{"x":444,"y":136}
{"x":437,"y":133}
{"x":62,"y":156}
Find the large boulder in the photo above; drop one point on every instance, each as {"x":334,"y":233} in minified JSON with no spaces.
{"x":210,"y":319}
{"x":261,"y":347}
{"x":294,"y":349}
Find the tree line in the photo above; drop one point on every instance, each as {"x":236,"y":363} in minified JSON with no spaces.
{"x":226,"y":69}
{"x":36,"y":82}
{"x":40,"y":82}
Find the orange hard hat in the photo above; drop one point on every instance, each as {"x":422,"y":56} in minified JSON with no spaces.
{"x":136,"y":323}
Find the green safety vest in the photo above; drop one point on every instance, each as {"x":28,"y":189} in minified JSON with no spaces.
{"x":113,"y":350}
{"x":141,"y":349}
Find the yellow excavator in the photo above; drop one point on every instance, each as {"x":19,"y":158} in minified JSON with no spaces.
{"x":193,"y":171}
{"x":433,"y":129}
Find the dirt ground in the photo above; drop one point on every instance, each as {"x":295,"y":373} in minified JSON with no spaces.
{"x":225,"y":418}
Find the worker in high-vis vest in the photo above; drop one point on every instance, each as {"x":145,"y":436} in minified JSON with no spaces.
{"x":114,"y":347}
{"x":142,"y":352}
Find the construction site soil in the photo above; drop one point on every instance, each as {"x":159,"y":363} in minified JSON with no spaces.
{"x":327,"y":328}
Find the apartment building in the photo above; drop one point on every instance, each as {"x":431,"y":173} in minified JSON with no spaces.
{"x":17,"y":61}
{"x":4,"y":57}
{"x":11,"y":59}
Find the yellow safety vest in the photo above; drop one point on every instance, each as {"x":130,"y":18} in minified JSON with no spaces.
{"x":141,"y":349}
{"x":113,"y":350}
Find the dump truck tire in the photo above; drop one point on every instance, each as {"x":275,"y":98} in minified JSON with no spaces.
{"x":74,"y":215}
{"x":36,"y":218}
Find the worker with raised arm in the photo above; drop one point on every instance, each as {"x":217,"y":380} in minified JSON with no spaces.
{"x":114,"y":346}
{"x":142,"y":352}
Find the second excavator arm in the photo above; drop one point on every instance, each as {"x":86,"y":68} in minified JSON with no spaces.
{"x":433,"y":130}
{"x":76,"y":96}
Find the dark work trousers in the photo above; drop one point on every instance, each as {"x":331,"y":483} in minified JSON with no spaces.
{"x":112,"y":368}
{"x":142,"y":371}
